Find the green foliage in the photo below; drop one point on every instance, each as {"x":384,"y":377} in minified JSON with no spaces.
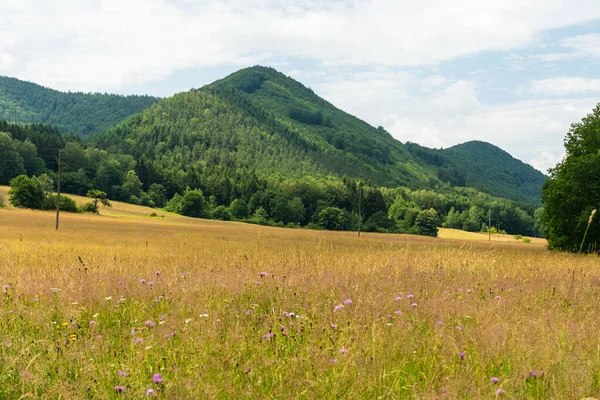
{"x":332,"y":218}
{"x":97,"y":196}
{"x":67,"y":204}
{"x":426,"y":223}
{"x":26,"y":192}
{"x":88,"y":208}
{"x":571,"y":193}
{"x":223,"y":213}
{"x":82,"y":113}
{"x":158,"y":195}
{"x":518,"y":237}
{"x":2,"y":203}
{"x":239,"y":209}
{"x":191,"y":204}
{"x":526,"y":240}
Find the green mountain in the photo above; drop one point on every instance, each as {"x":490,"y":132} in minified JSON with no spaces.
{"x":486,"y":167}
{"x":261,"y":120}
{"x":82,"y":113}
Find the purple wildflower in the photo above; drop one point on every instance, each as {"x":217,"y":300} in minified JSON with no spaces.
{"x":334,"y":360}
{"x":142,"y":280}
{"x":269,"y":335}
{"x":249,"y":311}
{"x":494,"y":380}
{"x":163,"y":317}
{"x":398,"y":298}
{"x":497,"y":298}
{"x":157,"y":378}
{"x":343,"y":350}
{"x":533,"y":374}
{"x":500,"y":392}
{"x":348,"y":302}
{"x":410,"y":296}
{"x":119,"y":389}
{"x":398,"y":312}
{"x":157,"y":273}
{"x":333,"y":326}
{"x":458,"y":328}
{"x":150,"y":283}
{"x":338,"y":307}
{"x":92,"y":323}
{"x":263,"y":274}
{"x":138,"y":340}
{"x":389,"y":316}
{"x":149,"y":392}
{"x":461,"y":355}
{"x":123,"y":374}
{"x":257,"y":283}
{"x":413,"y":305}
{"x":281,"y":328}
{"x":149,"y":324}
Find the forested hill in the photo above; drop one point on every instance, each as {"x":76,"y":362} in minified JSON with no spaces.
{"x":82,"y":113}
{"x":486,"y":167}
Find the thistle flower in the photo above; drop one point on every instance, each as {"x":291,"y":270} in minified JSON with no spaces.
{"x":157,"y":378}
{"x":343,"y":350}
{"x":499,"y":392}
{"x":461,"y":355}
{"x":119,"y":389}
{"x":413,"y":305}
{"x":142,"y":281}
{"x":263,"y":274}
{"x":410,"y":296}
{"x":149,"y":392}
{"x":338,"y":307}
{"x":149,"y":324}
{"x":122,"y":373}
{"x":494,"y":380}
{"x":348,"y":302}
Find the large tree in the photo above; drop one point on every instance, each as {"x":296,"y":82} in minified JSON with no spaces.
{"x":573,"y":190}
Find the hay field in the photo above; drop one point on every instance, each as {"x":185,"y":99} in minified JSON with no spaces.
{"x":123,"y":306}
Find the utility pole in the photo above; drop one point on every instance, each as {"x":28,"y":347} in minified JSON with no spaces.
{"x":489,"y":225}
{"x":58,"y":190}
{"x":359,"y":205}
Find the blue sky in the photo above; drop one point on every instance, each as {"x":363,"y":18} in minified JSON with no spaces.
{"x":512,"y":73}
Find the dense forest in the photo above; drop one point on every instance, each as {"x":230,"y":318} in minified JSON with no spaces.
{"x":82,"y":113}
{"x":259,"y":146}
{"x":234,"y":190}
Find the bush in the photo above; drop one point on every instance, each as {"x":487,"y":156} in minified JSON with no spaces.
{"x":88,"y":208}
{"x":426,"y":223}
{"x":518,"y":237}
{"x":2,"y":204}
{"x":153,"y":214}
{"x":222,"y":213}
{"x":526,"y":240}
{"x":26,"y":192}
{"x":67,"y":204}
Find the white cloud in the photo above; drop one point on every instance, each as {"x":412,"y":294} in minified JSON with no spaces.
{"x":562,"y":86}
{"x":544,"y":161}
{"x":105,"y":44}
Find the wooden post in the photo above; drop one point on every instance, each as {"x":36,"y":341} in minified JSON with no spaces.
{"x":489,"y":225}
{"x":58,"y":191}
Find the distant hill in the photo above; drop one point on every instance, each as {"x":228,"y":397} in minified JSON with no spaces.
{"x":486,"y":167}
{"x":82,"y":113}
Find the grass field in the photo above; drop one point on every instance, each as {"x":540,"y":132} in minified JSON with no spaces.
{"x":126,"y":306}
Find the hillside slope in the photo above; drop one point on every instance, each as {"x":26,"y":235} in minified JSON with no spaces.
{"x":82,"y":113}
{"x":485,"y":167}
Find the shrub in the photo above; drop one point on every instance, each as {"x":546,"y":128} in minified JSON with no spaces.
{"x":66,"y":203}
{"x":153,"y":214}
{"x":518,"y":237}
{"x":426,"y":223}
{"x":526,"y":240}
{"x":88,"y":208}
{"x":26,"y":192}
{"x":2,"y":201}
{"x":222,"y":213}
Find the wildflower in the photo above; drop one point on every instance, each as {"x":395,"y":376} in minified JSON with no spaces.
{"x":494,"y":380}
{"x":389,"y":316}
{"x":149,"y":392}
{"x":163,"y":317}
{"x":122,"y":373}
{"x":157,"y":273}
{"x":108,"y":298}
{"x":257,"y":283}
{"x":142,"y":281}
{"x":138,"y":340}
{"x":5,"y":287}
{"x":263,"y":274}
{"x":398,"y":312}
{"x":55,"y":290}
{"x":149,"y":324}
{"x":413,"y":305}
{"x":439,"y":323}
{"x":458,"y":328}
{"x":334,"y":360}
{"x":203,"y":315}
{"x":119,"y":389}
{"x":269,"y":335}
{"x":188,"y":320}
{"x":410,"y":296}
{"x":333,"y":326}
{"x":150,"y":283}
{"x":338,"y":308}
{"x":249,"y":311}
{"x":157,"y":378}
{"x":92,"y":323}
{"x":291,"y":314}
{"x":281,"y":328}
{"x":533,"y":374}
{"x":398,"y":298}
{"x":500,"y":392}
{"x":461,"y":355}
{"x":592,"y":216}
{"x":497,"y":298}
{"x":343,"y":350}
{"x":348,"y":302}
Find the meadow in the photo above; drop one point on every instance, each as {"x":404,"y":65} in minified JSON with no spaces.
{"x":125,"y":306}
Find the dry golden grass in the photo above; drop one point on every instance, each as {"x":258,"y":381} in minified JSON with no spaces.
{"x":511,"y":308}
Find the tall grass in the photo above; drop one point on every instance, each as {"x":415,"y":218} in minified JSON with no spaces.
{"x":225,"y":310}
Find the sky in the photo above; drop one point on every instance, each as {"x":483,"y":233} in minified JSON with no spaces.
{"x":515,"y":73}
